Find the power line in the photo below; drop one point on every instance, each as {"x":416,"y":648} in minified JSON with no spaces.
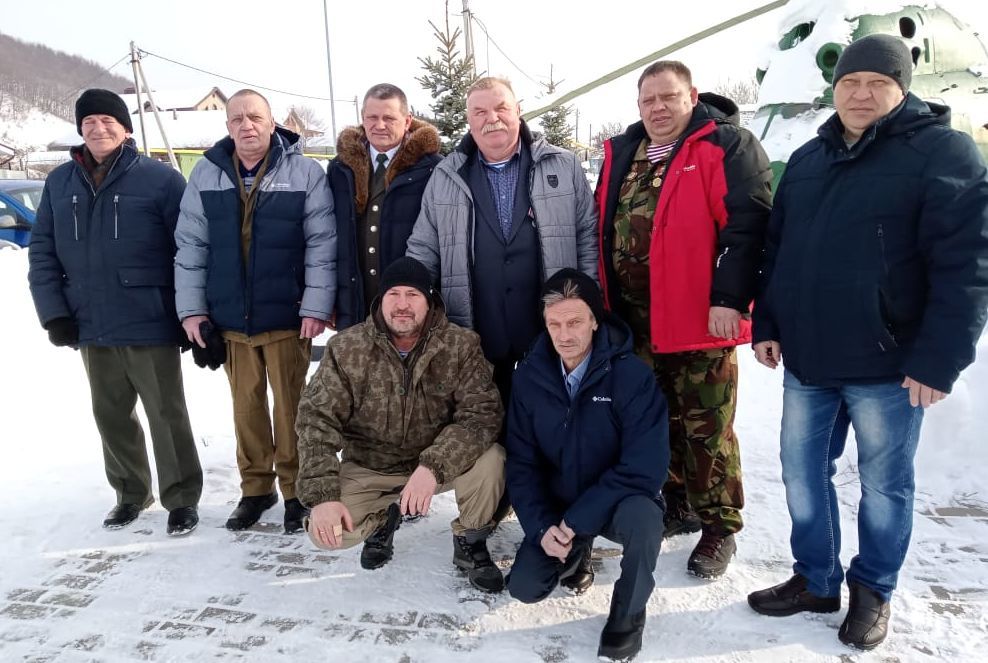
{"x":94,"y":79}
{"x":500,"y":50}
{"x":255,"y":86}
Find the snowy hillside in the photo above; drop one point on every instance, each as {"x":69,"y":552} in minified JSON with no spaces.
{"x":71,"y":591}
{"x":29,"y":129}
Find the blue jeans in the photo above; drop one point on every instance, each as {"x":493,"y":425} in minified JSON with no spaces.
{"x":814,"y":429}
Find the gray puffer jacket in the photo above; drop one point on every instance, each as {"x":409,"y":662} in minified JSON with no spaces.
{"x":562,"y":203}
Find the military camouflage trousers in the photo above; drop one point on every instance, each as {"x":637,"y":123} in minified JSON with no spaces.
{"x":705,"y":462}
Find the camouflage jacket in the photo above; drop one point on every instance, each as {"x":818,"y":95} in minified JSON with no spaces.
{"x":438,"y":408}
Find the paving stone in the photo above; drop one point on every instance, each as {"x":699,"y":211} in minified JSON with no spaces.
{"x":441,"y":620}
{"x":227,"y":599}
{"x":179,"y":631}
{"x":26,"y":611}
{"x":148,"y":650}
{"x":390,"y":618}
{"x":224,"y":615}
{"x":283,"y":571}
{"x":248,"y":643}
{"x":89,"y":643}
{"x":395,"y":636}
{"x":284,"y":624}
{"x":70,"y":600}
{"x":25,"y":595}
{"x":947,"y":609}
{"x":74,"y":581}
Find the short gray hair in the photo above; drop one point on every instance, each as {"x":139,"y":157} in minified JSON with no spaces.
{"x":569,"y":289}
{"x":385,"y":91}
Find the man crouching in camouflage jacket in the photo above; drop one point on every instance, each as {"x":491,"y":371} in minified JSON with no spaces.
{"x":407,"y":396}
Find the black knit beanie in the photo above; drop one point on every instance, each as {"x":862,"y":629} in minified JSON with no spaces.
{"x":408,"y":272}
{"x":882,"y":54}
{"x":101,"y":102}
{"x":586,"y":289}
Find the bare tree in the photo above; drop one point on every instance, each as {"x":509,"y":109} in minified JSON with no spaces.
{"x":310,"y":123}
{"x":740,"y":92}
{"x":607,"y":130}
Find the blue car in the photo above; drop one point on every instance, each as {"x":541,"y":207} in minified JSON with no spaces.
{"x":19,"y":201}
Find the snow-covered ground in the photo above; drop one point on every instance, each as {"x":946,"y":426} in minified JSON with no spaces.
{"x":71,"y":591}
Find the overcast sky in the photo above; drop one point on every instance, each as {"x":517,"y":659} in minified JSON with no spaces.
{"x":283,"y":45}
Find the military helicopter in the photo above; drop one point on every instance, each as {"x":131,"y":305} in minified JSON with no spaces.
{"x":795,"y":95}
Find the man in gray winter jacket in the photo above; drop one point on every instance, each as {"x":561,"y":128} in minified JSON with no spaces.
{"x":510,"y":207}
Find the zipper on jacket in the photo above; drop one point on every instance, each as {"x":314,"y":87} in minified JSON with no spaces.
{"x":75,"y":214}
{"x":881,"y":246}
{"x":722,"y":255}
{"x":116,"y":201}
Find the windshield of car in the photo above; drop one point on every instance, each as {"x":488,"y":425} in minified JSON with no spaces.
{"x":29,"y":196}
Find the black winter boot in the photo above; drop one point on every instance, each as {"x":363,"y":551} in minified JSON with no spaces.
{"x":578,"y":574}
{"x":621,"y":639}
{"x":711,"y":555}
{"x":379,"y":546}
{"x":249,"y":511}
{"x":867,"y":621}
{"x":790,"y":598}
{"x":680,"y":518}
{"x":471,"y":555}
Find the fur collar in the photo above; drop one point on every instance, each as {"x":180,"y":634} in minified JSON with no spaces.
{"x":421,"y":140}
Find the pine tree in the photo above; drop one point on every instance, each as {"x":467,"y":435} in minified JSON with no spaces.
{"x":555,"y":126}
{"x":448,"y":78}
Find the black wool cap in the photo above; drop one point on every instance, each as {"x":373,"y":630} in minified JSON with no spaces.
{"x":586,"y":289}
{"x":96,"y":101}
{"x":408,"y":272}
{"x":882,"y":54}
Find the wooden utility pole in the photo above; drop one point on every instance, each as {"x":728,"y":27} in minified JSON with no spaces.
{"x":329,"y":68}
{"x":139,"y":70}
{"x":140,"y":104}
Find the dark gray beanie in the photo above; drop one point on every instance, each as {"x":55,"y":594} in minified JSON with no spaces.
{"x":882,"y":54}
{"x":408,"y":272}
{"x":101,"y":102}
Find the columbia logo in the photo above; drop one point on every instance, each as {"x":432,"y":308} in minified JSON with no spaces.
{"x":687,"y":169}
{"x":601,"y":399}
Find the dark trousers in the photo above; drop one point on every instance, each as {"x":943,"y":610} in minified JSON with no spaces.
{"x":636,"y":525}
{"x":117,"y":376}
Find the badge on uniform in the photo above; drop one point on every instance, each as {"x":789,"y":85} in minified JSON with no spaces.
{"x":553,"y":180}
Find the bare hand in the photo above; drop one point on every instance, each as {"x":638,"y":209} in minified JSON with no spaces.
{"x":768,"y":353}
{"x":556,"y":543}
{"x":191,"y":327}
{"x":417,"y":494}
{"x":331,"y":323}
{"x":327,"y":522}
{"x":312,"y":327}
{"x":724,"y":322}
{"x":920,"y":394}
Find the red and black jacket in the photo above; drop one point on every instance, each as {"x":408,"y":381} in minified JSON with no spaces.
{"x":709,"y":225}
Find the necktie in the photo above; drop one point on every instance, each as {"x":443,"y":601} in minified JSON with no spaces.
{"x":382,"y":159}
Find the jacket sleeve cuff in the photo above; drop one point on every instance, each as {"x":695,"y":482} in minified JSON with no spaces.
{"x":316,"y":491}
{"x":436,"y":469}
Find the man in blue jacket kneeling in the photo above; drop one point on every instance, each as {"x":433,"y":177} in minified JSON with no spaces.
{"x":592,"y":462}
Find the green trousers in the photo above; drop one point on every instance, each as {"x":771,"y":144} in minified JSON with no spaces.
{"x":117,"y":377}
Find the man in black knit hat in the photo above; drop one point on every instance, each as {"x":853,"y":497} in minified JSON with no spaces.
{"x":102,"y":280}
{"x":408,"y":397}
{"x":874,"y":288}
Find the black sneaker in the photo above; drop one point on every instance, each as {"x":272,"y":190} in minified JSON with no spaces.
{"x":621,"y":639}
{"x":379,"y":546}
{"x":578,"y":575}
{"x":124,"y":514}
{"x":182,"y":520}
{"x":680,"y":518}
{"x":790,"y":598}
{"x":249,"y":511}
{"x":471,"y":555}
{"x":867,"y":621}
{"x":294,"y":513}
{"x":712,"y":555}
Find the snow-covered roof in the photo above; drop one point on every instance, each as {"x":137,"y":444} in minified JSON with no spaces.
{"x":185,"y":129}
{"x":171,"y":99}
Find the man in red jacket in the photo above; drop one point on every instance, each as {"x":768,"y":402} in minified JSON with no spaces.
{"x":684,"y":199}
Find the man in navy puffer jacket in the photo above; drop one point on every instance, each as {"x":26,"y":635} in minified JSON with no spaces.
{"x":588,"y":452}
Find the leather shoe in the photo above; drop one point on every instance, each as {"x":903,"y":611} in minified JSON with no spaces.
{"x":182,"y":520}
{"x":790,"y":598}
{"x":124,"y":514}
{"x":379,"y":546}
{"x":294,"y":513}
{"x":867,"y":621}
{"x":621,"y":639}
{"x":711,"y":555}
{"x":249,"y":511}
{"x":578,"y":575}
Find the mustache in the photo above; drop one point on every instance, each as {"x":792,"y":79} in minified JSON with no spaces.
{"x":494,"y":126}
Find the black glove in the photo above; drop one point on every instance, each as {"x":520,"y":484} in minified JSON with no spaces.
{"x":214,"y":354}
{"x":63,"y":332}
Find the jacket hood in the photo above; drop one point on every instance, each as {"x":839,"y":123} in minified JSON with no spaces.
{"x":912,"y":114}
{"x":422,"y":139}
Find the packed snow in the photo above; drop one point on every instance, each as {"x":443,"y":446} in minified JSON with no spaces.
{"x":71,"y":591}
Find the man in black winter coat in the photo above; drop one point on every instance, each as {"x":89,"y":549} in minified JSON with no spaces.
{"x":875,"y":284}
{"x":102,"y":280}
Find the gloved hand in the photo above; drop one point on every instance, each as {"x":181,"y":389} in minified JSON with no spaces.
{"x":214,"y":354}
{"x":63,"y":332}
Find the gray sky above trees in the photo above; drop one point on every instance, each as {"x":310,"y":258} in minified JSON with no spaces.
{"x":282,"y":45}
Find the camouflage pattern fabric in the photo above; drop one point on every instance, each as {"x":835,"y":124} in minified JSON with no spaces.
{"x":438,"y":408}
{"x":633,"y":218}
{"x":705,"y":461}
